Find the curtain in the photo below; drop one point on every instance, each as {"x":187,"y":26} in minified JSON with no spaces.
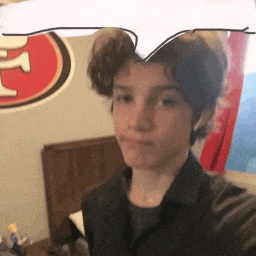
{"x":217,"y":146}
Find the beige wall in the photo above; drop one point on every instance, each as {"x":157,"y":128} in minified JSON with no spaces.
{"x":76,"y":113}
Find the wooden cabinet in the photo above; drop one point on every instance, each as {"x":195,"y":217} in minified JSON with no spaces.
{"x":69,"y":169}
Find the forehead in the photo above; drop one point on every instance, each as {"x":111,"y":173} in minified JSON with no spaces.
{"x":143,"y":74}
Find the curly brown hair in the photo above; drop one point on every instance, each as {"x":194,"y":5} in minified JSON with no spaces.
{"x":197,"y":60}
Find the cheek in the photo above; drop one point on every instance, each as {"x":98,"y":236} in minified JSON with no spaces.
{"x":176,"y":128}
{"x":120,"y":115}
{"x":184,"y":129}
{"x":118,"y":120}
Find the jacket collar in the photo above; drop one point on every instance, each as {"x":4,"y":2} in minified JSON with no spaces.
{"x":190,"y":187}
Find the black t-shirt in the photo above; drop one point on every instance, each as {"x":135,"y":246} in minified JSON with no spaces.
{"x":143,"y":218}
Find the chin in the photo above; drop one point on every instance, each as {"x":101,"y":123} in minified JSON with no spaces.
{"x":139,"y":162}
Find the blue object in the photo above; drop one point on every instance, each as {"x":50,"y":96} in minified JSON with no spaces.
{"x":251,"y":167}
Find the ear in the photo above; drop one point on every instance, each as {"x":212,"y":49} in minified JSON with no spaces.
{"x":205,"y":117}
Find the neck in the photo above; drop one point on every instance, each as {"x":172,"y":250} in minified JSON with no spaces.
{"x":155,"y":182}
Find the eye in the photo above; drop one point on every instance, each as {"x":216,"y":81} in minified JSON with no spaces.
{"x":168,"y":102}
{"x":124,"y":98}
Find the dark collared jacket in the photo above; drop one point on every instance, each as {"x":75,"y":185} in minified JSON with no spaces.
{"x":200,"y":215}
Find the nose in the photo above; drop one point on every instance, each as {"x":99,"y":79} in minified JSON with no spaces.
{"x":141,"y":118}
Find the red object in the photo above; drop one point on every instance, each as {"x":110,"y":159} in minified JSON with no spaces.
{"x":217,"y":146}
{"x":49,"y":67}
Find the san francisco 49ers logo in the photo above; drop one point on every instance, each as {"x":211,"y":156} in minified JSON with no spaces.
{"x":31,"y":68}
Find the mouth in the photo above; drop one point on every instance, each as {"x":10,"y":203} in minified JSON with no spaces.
{"x":133,"y":141}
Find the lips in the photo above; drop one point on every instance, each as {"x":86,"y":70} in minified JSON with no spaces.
{"x":133,"y":141}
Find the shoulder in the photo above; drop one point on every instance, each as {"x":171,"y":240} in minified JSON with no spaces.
{"x":227,"y":193}
{"x":103,"y":193}
{"x":235,"y":211}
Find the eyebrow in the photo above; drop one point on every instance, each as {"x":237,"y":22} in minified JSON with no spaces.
{"x":122,"y":87}
{"x":158,"y":88}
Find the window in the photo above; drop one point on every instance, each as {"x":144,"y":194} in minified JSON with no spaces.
{"x":242,"y":156}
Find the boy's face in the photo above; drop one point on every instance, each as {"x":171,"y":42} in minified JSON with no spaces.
{"x":152,"y":120}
